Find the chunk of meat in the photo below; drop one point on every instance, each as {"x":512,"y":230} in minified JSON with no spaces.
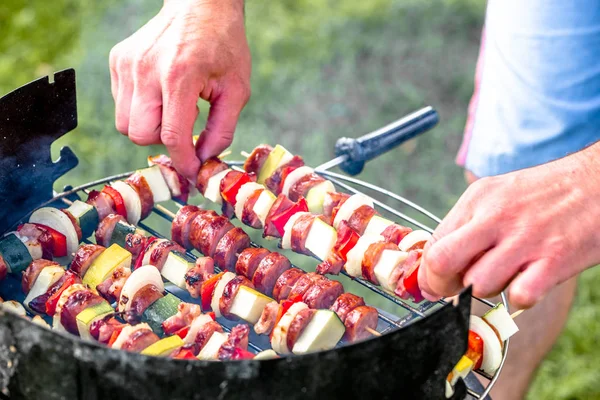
{"x":333,"y":200}
{"x":160,"y":252}
{"x":269,"y":269}
{"x":360,"y":218}
{"x":197,"y":228}
{"x":204,"y":334}
{"x":285,"y":283}
{"x":76,"y":303}
{"x":323,"y":294}
{"x":102,"y":202}
{"x":300,"y":231}
{"x":395,"y":233}
{"x":229,"y":293}
{"x":111,"y":288}
{"x":74,"y":223}
{"x":103,"y":329}
{"x":357,"y":321}
{"x":186,"y":313}
{"x":300,"y":321}
{"x":106,"y":227}
{"x":209,"y":168}
{"x":305,"y":282}
{"x":139,"y":340}
{"x":412,"y":261}
{"x":32,"y":272}
{"x":203,"y":269}
{"x":135,"y":243}
{"x":346,"y":303}
{"x":301,"y":188}
{"x":249,"y":259}
{"x":142,"y":299}
{"x":229,"y":247}
{"x":177,"y":183}
{"x":31,"y":231}
{"x":371,"y":258}
{"x":332,"y":266}
{"x":274,"y":182}
{"x":257,"y":158}
{"x":227,"y":210}
{"x":238,"y":338}
{"x":268,"y":318}
{"x":140,"y":184}
{"x":281,"y":204}
{"x":213,"y":232}
{"x":249,"y":217}
{"x":180,"y":228}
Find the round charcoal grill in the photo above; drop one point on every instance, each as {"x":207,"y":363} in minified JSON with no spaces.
{"x":418,"y":346}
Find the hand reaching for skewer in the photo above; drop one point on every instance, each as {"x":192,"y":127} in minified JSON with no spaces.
{"x":189,"y":49}
{"x":529,"y":230}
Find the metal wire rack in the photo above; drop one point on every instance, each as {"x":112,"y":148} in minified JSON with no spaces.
{"x":387,"y":321}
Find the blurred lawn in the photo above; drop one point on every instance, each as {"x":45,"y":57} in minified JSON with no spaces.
{"x":321,"y":70}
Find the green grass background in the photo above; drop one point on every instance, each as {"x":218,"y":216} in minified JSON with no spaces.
{"x":322,"y":69}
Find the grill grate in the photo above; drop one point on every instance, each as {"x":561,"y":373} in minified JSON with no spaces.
{"x":387,"y":321}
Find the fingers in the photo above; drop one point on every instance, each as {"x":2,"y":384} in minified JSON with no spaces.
{"x":222,"y":120}
{"x":178,"y":116}
{"x":536,"y":280}
{"x":145,"y":114}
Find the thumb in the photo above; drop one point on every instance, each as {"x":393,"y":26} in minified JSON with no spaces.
{"x":220,"y":126}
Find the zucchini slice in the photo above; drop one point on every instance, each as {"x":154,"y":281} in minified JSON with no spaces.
{"x":156,"y":181}
{"x":388,"y":262}
{"x":86,"y":318}
{"x":175,"y":268}
{"x":249,"y":304}
{"x":104,"y":265}
{"x":321,"y":239}
{"x":164,"y":347}
{"x":316,"y":196}
{"x":377,"y":225}
{"x":86,"y":216}
{"x":47,"y":277}
{"x":501,"y":321}
{"x":119,"y":235}
{"x":323,"y":332}
{"x":159,"y":311}
{"x":15,"y":253}
{"x":276,"y":158}
{"x":213,"y":187}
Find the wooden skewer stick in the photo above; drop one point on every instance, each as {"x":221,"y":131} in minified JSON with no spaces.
{"x":516,"y":314}
{"x":165,"y":211}
{"x":224,"y":154}
{"x":373,"y":331}
{"x":245,"y":154}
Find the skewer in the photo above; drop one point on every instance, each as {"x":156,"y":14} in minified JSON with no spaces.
{"x":516,"y":314}
{"x":224,"y":154}
{"x":372,"y":331}
{"x":166,"y":211}
{"x":245,"y":154}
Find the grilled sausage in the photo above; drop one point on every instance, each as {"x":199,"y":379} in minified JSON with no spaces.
{"x":76,"y":303}
{"x":285,"y":283}
{"x":229,"y":247}
{"x":346,"y":303}
{"x":229,"y":293}
{"x":301,"y":188}
{"x":268,"y":318}
{"x":203,"y":269}
{"x":102,"y":202}
{"x":323,"y":294}
{"x":204,"y":334}
{"x":209,"y":168}
{"x":180,"y":228}
{"x":161,"y":251}
{"x":281,"y":204}
{"x":274,"y":182}
{"x":39,"y":303}
{"x":357,"y":321}
{"x":333,"y":200}
{"x":360,"y":218}
{"x":300,"y":231}
{"x":237,"y":339}
{"x":74,"y":223}
{"x":409,"y":265}
{"x":249,"y":217}
{"x":395,"y":233}
{"x":257,"y":158}
{"x":177,"y":183}
{"x":142,"y":299}
{"x":333,"y":265}
{"x":249,"y":259}
{"x":212,"y":233}
{"x":300,"y":321}
{"x":186,"y":313}
{"x":106,"y":227}
{"x":31,"y":231}
{"x":197,"y":225}
{"x":371,"y":258}
{"x":135,"y":243}
{"x":111,"y":288}
{"x":140,"y":184}
{"x":269,"y":269}
{"x":305,"y":282}
{"x":32,"y":272}
{"x":139,"y":340}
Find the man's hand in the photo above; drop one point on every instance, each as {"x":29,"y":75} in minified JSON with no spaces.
{"x":191,"y":48}
{"x":530,"y":229}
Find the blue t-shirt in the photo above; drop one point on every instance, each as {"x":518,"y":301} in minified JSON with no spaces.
{"x":537,"y":94}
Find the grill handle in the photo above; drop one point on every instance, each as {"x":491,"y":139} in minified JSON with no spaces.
{"x":365,"y":148}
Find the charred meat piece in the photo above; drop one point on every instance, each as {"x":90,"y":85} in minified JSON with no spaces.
{"x":197,"y":227}
{"x":180,"y":228}
{"x":285,"y":283}
{"x":76,"y":303}
{"x":268,"y":318}
{"x":333,"y":265}
{"x":103,"y":329}
{"x":102,"y":202}
{"x":274,"y":182}
{"x":357,"y":321}
{"x":161,"y":251}
{"x":300,"y":231}
{"x":203,"y":269}
{"x":84,"y":257}
{"x":281,"y":204}
{"x":212,"y":233}
{"x":360,"y":218}
{"x":346,"y":303}
{"x":32,"y":272}
{"x":209,"y":168}
{"x":249,"y":217}
{"x":229,"y":247}
{"x":301,"y":188}
{"x":249,"y":259}
{"x":238,"y":338}
{"x":395,"y":233}
{"x":106,"y":227}
{"x":177,"y":183}
{"x":305,"y":282}
{"x":43,"y":237}
{"x":135,"y":243}
{"x":257,"y":158}
{"x":300,"y":321}
{"x":74,"y":223}
{"x":323,"y":294}
{"x":229,"y":293}
{"x":204,"y":334}
{"x":111,"y":288}
{"x":186,"y":313}
{"x":333,"y":200}
{"x":142,"y":300}
{"x":139,"y":340}
{"x":269,"y":269}
{"x":140,"y":184}
{"x":371,"y":258}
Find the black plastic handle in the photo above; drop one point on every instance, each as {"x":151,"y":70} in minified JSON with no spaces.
{"x":374,"y":144}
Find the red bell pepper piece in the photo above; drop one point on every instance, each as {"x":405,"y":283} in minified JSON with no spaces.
{"x":285,"y":306}
{"x":117,"y":199}
{"x":59,"y":241}
{"x":185,"y":354}
{"x":231,"y":192}
{"x":114,"y":336}
{"x":212,"y":315}
{"x":411,"y":284}
{"x":284,"y":173}
{"x":140,"y":257}
{"x":182,"y":333}
{"x":281,"y":219}
{"x":241,"y":354}
{"x":346,"y":241}
{"x":207,"y":290}
{"x":51,"y":303}
{"x":475,"y":349}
